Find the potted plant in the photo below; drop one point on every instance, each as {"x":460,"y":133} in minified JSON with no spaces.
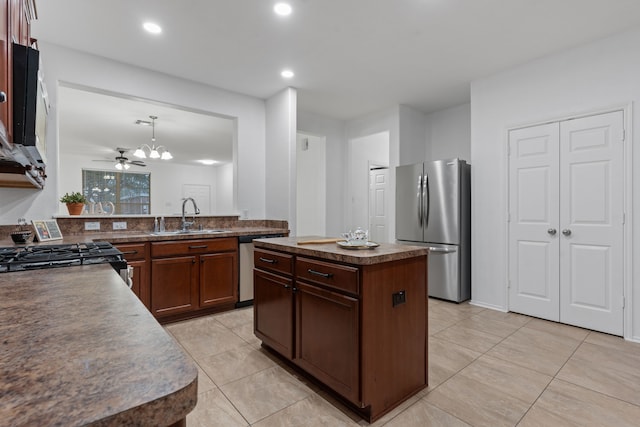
{"x":75,"y":202}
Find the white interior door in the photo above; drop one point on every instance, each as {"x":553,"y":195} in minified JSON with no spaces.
{"x":566,"y":204}
{"x":591,"y":241}
{"x":533,"y":210}
{"x":378,"y":204}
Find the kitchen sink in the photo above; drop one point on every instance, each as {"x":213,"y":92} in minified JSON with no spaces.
{"x":180,"y":232}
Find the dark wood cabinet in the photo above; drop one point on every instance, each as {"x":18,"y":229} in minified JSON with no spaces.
{"x":327,"y":338}
{"x":137,"y":256}
{"x":192,"y":276}
{"x":273,"y":311}
{"x":15,"y":26}
{"x":218,"y":279}
{"x":175,"y":285}
{"x":361,"y":330}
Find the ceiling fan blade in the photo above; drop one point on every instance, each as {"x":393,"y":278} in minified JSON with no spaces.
{"x":137,"y":163}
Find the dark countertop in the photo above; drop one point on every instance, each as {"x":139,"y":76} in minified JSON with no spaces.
{"x":141,"y":236}
{"x":386,"y":252}
{"x":77,"y":347}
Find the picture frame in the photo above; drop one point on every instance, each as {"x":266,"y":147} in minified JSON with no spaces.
{"x":46,"y":229}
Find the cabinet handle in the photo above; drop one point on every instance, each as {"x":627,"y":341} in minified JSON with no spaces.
{"x":270,"y":261}
{"x":130,"y":253}
{"x":287,"y":286}
{"x":198,"y":247}
{"x":193,"y":261}
{"x":317,"y":273}
{"x":3,"y":97}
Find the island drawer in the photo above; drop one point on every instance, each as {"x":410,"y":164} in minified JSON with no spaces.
{"x":190,"y":247}
{"x":335,"y":276}
{"x":133,"y":251}
{"x":273,"y":261}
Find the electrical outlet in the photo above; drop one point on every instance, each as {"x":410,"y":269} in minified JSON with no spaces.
{"x":92,"y":226}
{"x":399,"y":298}
{"x":120,"y":225}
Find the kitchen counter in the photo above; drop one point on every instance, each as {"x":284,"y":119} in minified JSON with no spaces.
{"x":352,"y":320}
{"x":77,"y":347}
{"x":147,"y":236}
{"x":331,"y":251}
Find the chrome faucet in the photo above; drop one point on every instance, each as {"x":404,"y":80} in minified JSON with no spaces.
{"x":186,"y":224}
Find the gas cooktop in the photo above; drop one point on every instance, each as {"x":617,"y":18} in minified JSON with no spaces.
{"x":20,"y":258}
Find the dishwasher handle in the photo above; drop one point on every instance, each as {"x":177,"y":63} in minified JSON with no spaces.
{"x":443,"y":250}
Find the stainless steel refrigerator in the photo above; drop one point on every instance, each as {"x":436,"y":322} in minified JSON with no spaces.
{"x":433,"y":208}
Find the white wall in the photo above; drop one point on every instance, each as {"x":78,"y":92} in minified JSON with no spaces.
{"x":413,"y":130}
{"x":589,"y":78}
{"x":333,"y":132}
{"x":166,"y":190}
{"x":65,"y":65}
{"x":449,"y":133}
{"x":378,"y":122}
{"x":280,"y":189}
{"x":311,"y":185}
{"x":224,"y":194}
{"x":364,"y":151}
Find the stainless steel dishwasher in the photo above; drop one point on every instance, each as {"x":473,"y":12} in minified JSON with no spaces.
{"x":245,"y":282}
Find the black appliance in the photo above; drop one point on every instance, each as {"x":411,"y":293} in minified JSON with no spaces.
{"x":35,"y":257}
{"x":29,"y":104}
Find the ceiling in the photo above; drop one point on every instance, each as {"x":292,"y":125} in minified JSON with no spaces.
{"x":350,"y":57}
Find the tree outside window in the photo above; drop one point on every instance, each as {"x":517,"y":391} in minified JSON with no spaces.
{"x":128,"y":191}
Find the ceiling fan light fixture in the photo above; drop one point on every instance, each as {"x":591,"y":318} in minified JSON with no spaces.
{"x":118,"y":166}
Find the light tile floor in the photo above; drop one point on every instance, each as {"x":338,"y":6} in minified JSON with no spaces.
{"x":486,"y":368}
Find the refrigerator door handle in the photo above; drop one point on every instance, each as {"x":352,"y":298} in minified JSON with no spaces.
{"x":420,"y":200}
{"x":425,"y":200}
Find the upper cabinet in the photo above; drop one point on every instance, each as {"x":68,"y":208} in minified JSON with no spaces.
{"x":18,"y":168}
{"x":14,"y":27}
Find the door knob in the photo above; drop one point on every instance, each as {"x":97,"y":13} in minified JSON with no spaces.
{"x":552,"y":231}
{"x":566,"y":232}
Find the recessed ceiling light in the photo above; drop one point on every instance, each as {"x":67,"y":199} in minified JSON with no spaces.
{"x":152,"y":27}
{"x":207,"y":162}
{"x":287,"y":74}
{"x":282,"y":9}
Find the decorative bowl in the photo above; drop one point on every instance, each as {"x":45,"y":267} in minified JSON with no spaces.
{"x":21,"y":236}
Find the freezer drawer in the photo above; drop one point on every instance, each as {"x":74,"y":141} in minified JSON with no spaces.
{"x":444,"y":272}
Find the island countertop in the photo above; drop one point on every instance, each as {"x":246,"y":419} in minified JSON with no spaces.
{"x":77,"y":347}
{"x":331,"y":251}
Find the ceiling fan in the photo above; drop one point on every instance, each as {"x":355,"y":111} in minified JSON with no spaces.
{"x":123,"y":162}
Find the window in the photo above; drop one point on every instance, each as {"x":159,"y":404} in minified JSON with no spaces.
{"x":128,"y":191}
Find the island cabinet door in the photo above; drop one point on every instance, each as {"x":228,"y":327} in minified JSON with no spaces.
{"x":273,"y":311}
{"x":218,"y":279}
{"x":175,"y":285}
{"x":327,"y":338}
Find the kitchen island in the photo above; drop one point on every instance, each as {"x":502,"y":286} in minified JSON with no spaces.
{"x":77,"y":347}
{"x":355,"y":321}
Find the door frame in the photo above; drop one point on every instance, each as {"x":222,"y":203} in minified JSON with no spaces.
{"x":627,"y":285}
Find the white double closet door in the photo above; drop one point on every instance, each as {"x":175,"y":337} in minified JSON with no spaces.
{"x":566,"y":246}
